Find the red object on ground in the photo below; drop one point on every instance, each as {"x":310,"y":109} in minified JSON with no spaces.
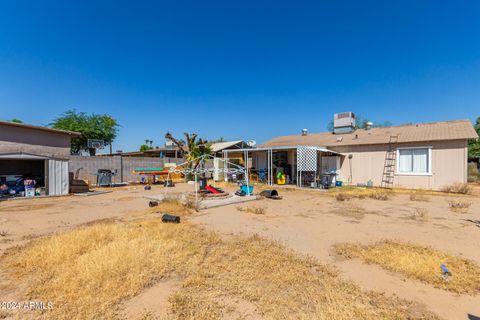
{"x":212,"y":190}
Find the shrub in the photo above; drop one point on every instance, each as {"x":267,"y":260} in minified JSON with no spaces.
{"x":473,"y":173}
{"x":191,"y":204}
{"x":380,"y":195}
{"x":361,"y":193}
{"x":255,"y":210}
{"x":419,"y":214}
{"x":457,"y":187}
{"x":459,"y":206}
{"x":341,"y":196}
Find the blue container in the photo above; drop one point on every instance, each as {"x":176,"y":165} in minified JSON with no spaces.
{"x":338,"y":183}
{"x":246,"y":189}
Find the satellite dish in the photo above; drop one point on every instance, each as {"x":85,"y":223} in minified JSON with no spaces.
{"x":251,"y":143}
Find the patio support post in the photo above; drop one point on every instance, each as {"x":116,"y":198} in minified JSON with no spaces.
{"x":296,"y":171}
{"x":196,"y":191}
{"x":268,"y":167}
{"x":225,"y":166}
{"x":245,"y":154}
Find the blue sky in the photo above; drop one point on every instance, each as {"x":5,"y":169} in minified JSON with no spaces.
{"x":238,"y":69}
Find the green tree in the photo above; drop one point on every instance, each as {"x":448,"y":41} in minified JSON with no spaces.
{"x":148,"y":145}
{"x":90,"y":126}
{"x":16,"y":120}
{"x":196,"y":148}
{"x":474,"y":145}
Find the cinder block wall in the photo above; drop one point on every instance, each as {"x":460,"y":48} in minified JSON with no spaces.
{"x":123,"y":165}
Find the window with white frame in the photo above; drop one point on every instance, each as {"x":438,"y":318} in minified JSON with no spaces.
{"x":414,"y":160}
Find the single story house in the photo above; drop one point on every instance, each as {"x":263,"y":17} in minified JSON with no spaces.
{"x":424,"y":155}
{"x":40,"y":153}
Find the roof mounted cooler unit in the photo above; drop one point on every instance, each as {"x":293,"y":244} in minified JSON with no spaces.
{"x":343,"y":122}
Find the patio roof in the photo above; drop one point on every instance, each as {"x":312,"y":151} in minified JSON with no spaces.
{"x":321,"y":149}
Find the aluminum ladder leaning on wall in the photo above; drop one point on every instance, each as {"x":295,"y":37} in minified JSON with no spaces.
{"x":390,"y":163}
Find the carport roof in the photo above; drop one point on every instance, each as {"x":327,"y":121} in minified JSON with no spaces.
{"x":26,"y":156}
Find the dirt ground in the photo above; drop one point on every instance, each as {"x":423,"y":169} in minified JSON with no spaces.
{"x":310,"y":222}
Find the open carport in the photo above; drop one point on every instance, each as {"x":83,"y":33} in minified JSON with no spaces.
{"x":50,"y":174}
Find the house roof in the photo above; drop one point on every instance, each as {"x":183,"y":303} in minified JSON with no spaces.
{"x":219,"y":146}
{"x":434,"y":131}
{"x":30,"y":126}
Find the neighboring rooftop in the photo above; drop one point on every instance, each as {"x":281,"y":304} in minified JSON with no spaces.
{"x":434,"y":131}
{"x":30,"y":126}
{"x":219,"y":146}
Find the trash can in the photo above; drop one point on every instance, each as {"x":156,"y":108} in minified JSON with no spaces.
{"x":202,"y":183}
{"x":338,"y":183}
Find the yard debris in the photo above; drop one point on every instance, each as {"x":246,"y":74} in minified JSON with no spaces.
{"x":475,"y":222}
{"x":271,"y":194}
{"x":152,"y":204}
{"x":240,"y":193}
{"x":170,"y":218}
{"x":168,"y":183}
{"x":446,"y":274}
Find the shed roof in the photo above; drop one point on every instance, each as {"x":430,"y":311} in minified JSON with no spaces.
{"x":434,"y":131}
{"x":30,"y":126}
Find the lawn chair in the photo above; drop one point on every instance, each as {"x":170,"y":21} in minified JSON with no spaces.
{"x":262,"y":175}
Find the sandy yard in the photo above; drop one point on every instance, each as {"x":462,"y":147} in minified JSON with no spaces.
{"x":310,"y":222}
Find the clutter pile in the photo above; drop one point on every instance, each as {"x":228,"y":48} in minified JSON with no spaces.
{"x":21,"y":186}
{"x":209,"y":192}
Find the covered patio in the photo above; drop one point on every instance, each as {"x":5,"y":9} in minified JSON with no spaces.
{"x":303,"y":166}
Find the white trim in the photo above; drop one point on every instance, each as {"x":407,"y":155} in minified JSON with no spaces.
{"x":397,"y":164}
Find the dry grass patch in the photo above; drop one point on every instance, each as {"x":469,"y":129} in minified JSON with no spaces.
{"x":351,"y":210}
{"x":418,"y":196}
{"x":174,"y":205}
{"x":458,"y":187}
{"x":347,"y":193}
{"x":281,"y":285}
{"x":88,"y":272}
{"x":4,"y":314}
{"x":459,"y":206}
{"x":417,"y":262}
{"x":254,"y":210}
